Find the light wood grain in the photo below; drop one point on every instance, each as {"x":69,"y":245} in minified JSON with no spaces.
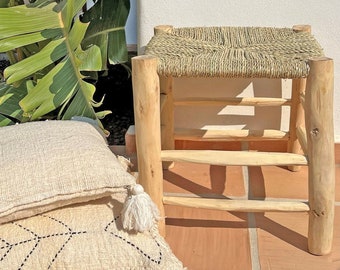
{"x":146,"y":99}
{"x":302,"y":137}
{"x":320,"y":138}
{"x":297,"y":110}
{"x":167,"y":104}
{"x":229,"y":135}
{"x":245,"y":101}
{"x":237,"y":205}
{"x":233,"y":158}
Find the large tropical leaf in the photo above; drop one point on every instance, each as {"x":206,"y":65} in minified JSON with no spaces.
{"x":107,"y":29}
{"x":65,"y":81}
{"x":10,"y":110}
{"x":63,"y":86}
{"x":16,"y":21}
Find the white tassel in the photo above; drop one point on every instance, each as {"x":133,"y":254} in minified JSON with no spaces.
{"x":139,"y":212}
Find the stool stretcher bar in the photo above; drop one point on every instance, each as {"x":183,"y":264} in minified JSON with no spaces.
{"x":233,"y":158}
{"x":230,"y":135}
{"x":237,"y":205}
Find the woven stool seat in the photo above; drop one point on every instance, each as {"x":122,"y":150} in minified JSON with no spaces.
{"x":247,"y":52}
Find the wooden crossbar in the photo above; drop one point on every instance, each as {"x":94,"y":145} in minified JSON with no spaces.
{"x":233,"y":158}
{"x":242,"y":101}
{"x":229,"y":135}
{"x":237,"y":205}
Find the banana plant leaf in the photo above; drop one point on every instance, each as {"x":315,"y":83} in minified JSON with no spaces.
{"x":107,"y":29}
{"x":63,"y":56}
{"x":10,"y":111}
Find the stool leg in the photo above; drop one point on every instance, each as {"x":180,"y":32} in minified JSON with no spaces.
{"x":296,"y":118}
{"x":320,"y":139}
{"x":296,"y":110}
{"x":167,"y":110}
{"x":167,"y":116}
{"x":146,"y":100}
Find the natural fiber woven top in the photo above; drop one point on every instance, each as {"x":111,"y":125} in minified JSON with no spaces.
{"x":234,"y":52}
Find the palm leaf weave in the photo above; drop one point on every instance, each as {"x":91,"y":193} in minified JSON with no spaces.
{"x":234,"y":52}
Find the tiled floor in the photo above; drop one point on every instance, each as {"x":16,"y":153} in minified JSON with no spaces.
{"x":208,"y":239}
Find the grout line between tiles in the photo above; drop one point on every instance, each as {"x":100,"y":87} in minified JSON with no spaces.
{"x":253,"y":241}
{"x":252,"y":231}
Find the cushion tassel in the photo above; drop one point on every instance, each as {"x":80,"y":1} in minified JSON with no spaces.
{"x":139,"y":212}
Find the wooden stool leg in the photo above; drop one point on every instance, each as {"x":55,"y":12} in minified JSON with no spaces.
{"x":320,"y":139}
{"x":146,"y":102}
{"x":296,"y":118}
{"x":167,"y":117}
{"x":167,"y":107}
{"x":297,"y":110}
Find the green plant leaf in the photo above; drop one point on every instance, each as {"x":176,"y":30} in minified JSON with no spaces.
{"x":9,"y":103}
{"x":14,"y":42}
{"x":51,"y":37}
{"x":64,"y":82}
{"x":20,"y":20}
{"x":107,"y":29}
{"x":90,"y":60}
{"x":52,"y":52}
{"x":4,"y":3}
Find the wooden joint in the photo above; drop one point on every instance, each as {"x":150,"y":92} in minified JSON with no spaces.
{"x":161,"y":29}
{"x":302,"y":28}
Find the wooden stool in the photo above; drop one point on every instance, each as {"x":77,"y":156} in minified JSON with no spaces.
{"x":241,"y":52}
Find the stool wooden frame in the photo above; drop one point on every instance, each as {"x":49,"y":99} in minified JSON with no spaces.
{"x":311,"y":128}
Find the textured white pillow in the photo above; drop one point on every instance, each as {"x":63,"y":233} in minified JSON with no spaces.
{"x":46,"y":165}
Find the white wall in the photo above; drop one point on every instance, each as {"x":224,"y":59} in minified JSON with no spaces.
{"x":323,"y":16}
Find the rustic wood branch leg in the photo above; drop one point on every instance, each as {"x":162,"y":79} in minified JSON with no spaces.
{"x":167,"y":117}
{"x":167,"y":105}
{"x":296,"y":118}
{"x":146,"y":101}
{"x":320,"y":139}
{"x":297,"y":110}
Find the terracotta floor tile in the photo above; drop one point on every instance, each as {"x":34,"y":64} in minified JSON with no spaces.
{"x":337,"y":153}
{"x":204,"y":179}
{"x":337,"y":182}
{"x":207,"y":239}
{"x":282,"y":243}
{"x":278,"y":182}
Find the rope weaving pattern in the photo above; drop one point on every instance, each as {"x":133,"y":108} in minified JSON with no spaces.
{"x":248,"y":52}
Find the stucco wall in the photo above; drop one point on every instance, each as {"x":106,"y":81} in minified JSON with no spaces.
{"x":323,"y":16}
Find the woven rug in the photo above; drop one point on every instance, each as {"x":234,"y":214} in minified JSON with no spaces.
{"x":234,"y":52}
